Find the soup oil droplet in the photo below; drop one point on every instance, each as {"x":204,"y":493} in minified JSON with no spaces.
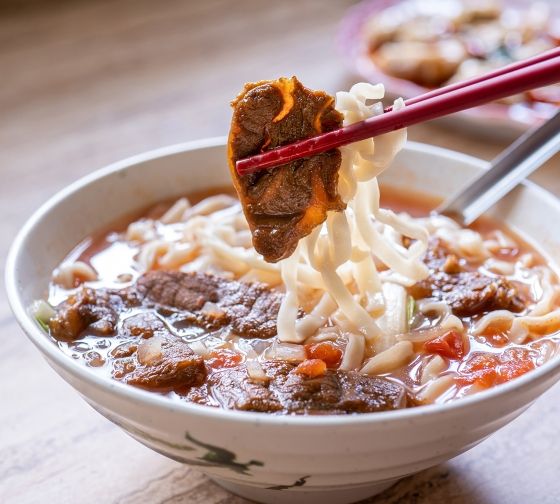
{"x":103,"y":343}
{"x":94,"y":359}
{"x":81,"y":346}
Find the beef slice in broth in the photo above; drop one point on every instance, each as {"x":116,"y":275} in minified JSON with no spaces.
{"x":147,"y":353}
{"x":207,"y":301}
{"x":284,"y":204}
{"x":287,"y":392}
{"x":95,"y":310}
{"x":212,"y":302}
{"x":155,"y":359}
{"x":467,"y":292}
{"x":150,"y":355}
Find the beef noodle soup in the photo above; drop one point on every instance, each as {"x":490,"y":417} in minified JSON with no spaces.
{"x":314,"y":292}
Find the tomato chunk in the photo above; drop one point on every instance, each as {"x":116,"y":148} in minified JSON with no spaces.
{"x":448,"y":345}
{"x":328,"y":352}
{"x":497,"y":339}
{"x":223,"y":358}
{"x":480,"y":369}
{"x":496,"y":334}
{"x":487,"y":370}
{"x":312,"y":368}
{"x":515,"y":362}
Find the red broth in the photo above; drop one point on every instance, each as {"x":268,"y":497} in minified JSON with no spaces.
{"x":471,"y":362}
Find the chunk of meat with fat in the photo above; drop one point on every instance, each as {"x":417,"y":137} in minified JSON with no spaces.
{"x":467,"y":292}
{"x":284,"y":204}
{"x":154,"y":359}
{"x":470,"y":293}
{"x":286,"y":391}
{"x":211,"y":302}
{"x":151,"y":357}
{"x":95,"y":310}
{"x":159,"y":363}
{"x":206,"y":301}
{"x":143,"y":324}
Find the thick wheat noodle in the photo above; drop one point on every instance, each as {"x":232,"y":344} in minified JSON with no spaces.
{"x":355,"y":313}
{"x":317,"y":318}
{"x":411,"y":268}
{"x":399,"y":223}
{"x":354,"y":352}
{"x":500,"y":267}
{"x":330,"y":252}
{"x":452,"y":322}
{"x":320,"y":250}
{"x":306,"y":274}
{"x":433,"y":306}
{"x":211,"y":205}
{"x":396,"y":356}
{"x":67,"y":273}
{"x":141,"y":231}
{"x":176,"y":212}
{"x":272,"y":279}
{"x":493,"y":318}
{"x":422,"y":335}
{"x":521,"y":326}
{"x":178,"y":254}
{"x":339,"y":238}
{"x":539,"y":317}
{"x":287,"y":315}
{"x":436,"y":388}
{"x":545,"y":302}
{"x":433,"y":368}
{"x":326,"y":336}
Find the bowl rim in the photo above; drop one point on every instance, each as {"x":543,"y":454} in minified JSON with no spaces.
{"x":160,"y":402}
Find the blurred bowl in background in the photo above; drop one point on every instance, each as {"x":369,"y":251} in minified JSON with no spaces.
{"x":371,"y":22}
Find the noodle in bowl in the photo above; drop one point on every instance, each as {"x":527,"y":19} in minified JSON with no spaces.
{"x":364,"y":453}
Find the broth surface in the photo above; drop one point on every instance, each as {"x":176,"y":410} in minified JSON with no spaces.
{"x":486,"y":358}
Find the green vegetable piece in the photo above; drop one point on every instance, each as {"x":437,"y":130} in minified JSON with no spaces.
{"x":411,"y":309}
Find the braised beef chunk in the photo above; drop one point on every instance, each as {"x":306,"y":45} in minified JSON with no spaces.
{"x":95,"y":310}
{"x":161,"y":362}
{"x":439,"y":257}
{"x":467,"y":292}
{"x":470,"y":293}
{"x":284,"y":204}
{"x":287,"y":392}
{"x":204,"y":300}
{"x":150,"y":356}
{"x":143,"y":324}
{"x":212,"y":302}
{"x":232,"y":389}
{"x":340,"y":391}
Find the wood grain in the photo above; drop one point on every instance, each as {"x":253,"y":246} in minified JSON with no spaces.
{"x":83,"y":84}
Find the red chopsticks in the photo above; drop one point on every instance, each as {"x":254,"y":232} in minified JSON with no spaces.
{"x":532,"y":73}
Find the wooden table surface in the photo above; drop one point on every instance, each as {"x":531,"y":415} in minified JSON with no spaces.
{"x":83,"y":84}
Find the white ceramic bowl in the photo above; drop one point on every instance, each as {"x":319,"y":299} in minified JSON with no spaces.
{"x":276,"y":459}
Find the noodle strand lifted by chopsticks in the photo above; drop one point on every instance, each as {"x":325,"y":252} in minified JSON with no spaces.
{"x":351,"y":236}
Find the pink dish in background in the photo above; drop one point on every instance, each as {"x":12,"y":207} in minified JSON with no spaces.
{"x":496,"y":119}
